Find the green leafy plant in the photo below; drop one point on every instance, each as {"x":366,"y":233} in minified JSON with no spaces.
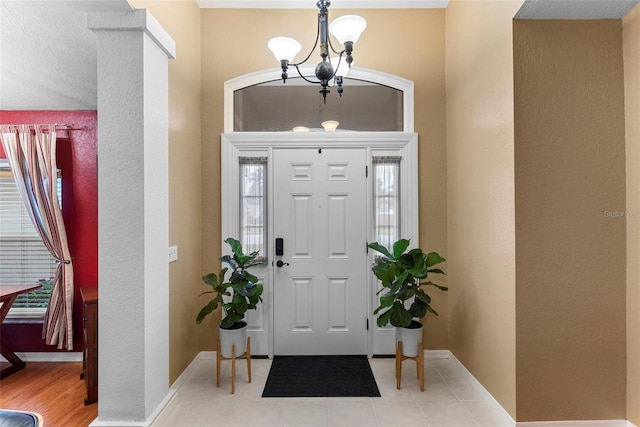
{"x":403,"y":275}
{"x":38,"y":298}
{"x":243,"y":290}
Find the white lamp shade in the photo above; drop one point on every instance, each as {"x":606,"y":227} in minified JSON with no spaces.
{"x":344,"y":67}
{"x":284,"y":48}
{"x":330,"y":125}
{"x":348,"y":28}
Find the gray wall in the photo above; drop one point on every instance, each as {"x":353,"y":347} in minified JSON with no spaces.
{"x":48,"y":55}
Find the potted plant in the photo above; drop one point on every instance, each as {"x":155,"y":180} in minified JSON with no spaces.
{"x":403,"y":275}
{"x":240,"y":293}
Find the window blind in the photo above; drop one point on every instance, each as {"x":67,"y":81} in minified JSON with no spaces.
{"x":25,"y":259}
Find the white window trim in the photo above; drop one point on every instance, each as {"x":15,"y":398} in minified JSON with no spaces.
{"x":264,"y":254}
{"x":260,"y":144}
{"x":356,"y":73}
{"x":396,"y":197}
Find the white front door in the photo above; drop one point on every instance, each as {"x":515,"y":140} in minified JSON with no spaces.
{"x":320,"y":289}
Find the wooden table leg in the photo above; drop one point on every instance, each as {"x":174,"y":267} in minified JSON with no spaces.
{"x":12,"y":358}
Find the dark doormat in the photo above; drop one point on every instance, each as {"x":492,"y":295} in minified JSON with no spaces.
{"x":320,"y":376}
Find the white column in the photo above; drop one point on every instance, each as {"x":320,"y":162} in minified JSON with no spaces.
{"x":133,"y":277}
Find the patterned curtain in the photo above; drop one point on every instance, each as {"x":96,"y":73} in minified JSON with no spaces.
{"x":31,"y":152}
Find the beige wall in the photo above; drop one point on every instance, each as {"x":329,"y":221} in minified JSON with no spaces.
{"x":234,"y":42}
{"x":481,"y":192}
{"x":473,"y":197}
{"x":570,"y":221}
{"x":181,"y":19}
{"x":631,"y":44}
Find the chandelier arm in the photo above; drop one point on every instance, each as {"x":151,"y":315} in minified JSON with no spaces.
{"x":335,"y":51}
{"x":312,"y":49}
{"x":304,"y":78}
{"x":333,"y":76}
{"x":335,"y":71}
{"x":316,"y":82}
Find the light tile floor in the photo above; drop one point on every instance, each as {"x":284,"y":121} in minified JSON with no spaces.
{"x":452,"y":398}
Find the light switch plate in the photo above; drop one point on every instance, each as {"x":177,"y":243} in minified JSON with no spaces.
{"x":173,"y":253}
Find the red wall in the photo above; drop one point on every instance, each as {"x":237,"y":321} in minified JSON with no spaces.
{"x":77,"y":160}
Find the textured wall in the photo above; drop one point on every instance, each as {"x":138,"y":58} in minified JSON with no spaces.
{"x":631,"y":43}
{"x":481,"y":193}
{"x":48,"y":55}
{"x":570,"y":220}
{"x":419,"y":33}
{"x":181,"y":19}
{"x":133,"y":219}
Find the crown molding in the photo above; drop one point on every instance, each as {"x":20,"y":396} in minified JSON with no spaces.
{"x":308,"y":4}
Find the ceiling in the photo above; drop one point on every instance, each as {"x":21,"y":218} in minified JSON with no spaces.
{"x":311,"y":4}
{"x":56,"y":34}
{"x":531,"y":9}
{"x":53,"y":34}
{"x":575,"y":9}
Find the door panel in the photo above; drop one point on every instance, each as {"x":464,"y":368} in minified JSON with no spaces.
{"x":320,"y":304}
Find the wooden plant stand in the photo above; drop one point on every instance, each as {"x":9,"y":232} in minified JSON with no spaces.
{"x":220,"y":358}
{"x":419,"y":359}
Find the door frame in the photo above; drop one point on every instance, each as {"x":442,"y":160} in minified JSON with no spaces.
{"x":262,"y":144}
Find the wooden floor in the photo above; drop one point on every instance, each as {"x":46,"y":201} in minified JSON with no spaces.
{"x":54,"y":390}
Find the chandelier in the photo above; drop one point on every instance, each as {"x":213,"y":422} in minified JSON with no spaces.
{"x":346,"y":29}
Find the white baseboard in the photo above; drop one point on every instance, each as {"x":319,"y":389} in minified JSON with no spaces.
{"x":586,"y":423}
{"x":57,"y":356}
{"x":601,"y":423}
{"x":172,"y":391}
{"x":146,"y":423}
{"x":207,"y":355}
{"x":202,"y":355}
{"x":473,"y":379}
{"x":438,"y":354}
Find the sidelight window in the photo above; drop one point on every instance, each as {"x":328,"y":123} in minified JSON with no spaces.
{"x":253,"y":205}
{"x":386,"y":199}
